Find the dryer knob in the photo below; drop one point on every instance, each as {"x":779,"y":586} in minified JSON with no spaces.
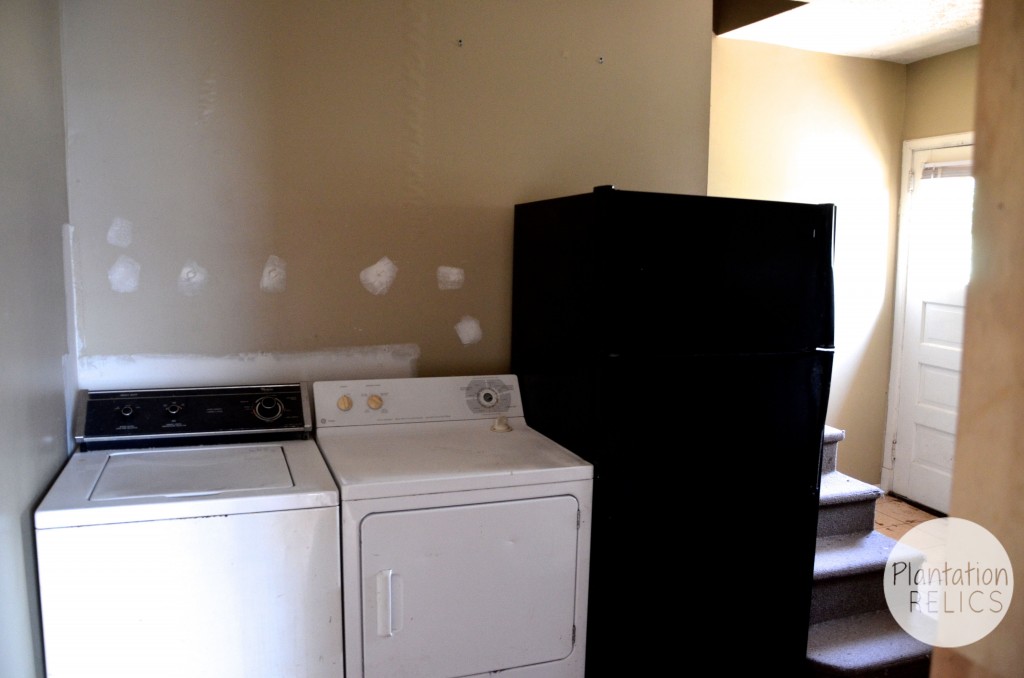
{"x":345,"y":403}
{"x":375,"y":402}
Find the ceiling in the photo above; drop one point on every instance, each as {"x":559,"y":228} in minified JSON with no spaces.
{"x":902,"y":31}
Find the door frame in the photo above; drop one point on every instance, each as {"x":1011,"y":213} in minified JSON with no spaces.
{"x":900,"y":293}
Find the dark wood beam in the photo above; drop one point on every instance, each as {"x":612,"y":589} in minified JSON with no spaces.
{"x":731,"y":14}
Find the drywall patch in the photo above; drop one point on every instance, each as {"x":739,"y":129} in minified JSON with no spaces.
{"x":469,"y":330}
{"x":207,"y":95}
{"x":416,"y":33}
{"x":120,"y":233}
{"x":124,"y":275}
{"x":450,"y":278}
{"x":192,"y":278}
{"x":377,"y":279}
{"x":117,"y":372}
{"x":72,"y":287}
{"x":274,"y":275}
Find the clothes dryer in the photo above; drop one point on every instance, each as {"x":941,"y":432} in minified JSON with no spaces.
{"x":465,"y":533}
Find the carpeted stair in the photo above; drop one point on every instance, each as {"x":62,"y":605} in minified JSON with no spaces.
{"x":852,"y":632}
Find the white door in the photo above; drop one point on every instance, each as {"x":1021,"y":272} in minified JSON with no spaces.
{"x":934,"y":269}
{"x":467,"y":590}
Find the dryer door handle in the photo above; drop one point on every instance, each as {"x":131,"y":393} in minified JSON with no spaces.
{"x":389,"y":602}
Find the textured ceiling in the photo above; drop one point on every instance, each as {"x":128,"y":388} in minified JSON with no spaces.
{"x":902,"y":31}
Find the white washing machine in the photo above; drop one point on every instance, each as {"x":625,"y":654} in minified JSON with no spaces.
{"x":192,"y":533}
{"x":465,"y":533}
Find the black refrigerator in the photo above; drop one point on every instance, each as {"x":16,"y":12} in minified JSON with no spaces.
{"x":683,"y":344}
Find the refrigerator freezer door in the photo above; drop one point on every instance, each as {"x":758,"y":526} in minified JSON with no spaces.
{"x":617,"y":272}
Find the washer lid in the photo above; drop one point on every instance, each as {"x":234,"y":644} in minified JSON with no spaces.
{"x":192,"y":472}
{"x":124,"y":486}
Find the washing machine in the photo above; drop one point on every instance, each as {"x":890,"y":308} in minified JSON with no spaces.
{"x":192,"y":532}
{"x":465,"y":534}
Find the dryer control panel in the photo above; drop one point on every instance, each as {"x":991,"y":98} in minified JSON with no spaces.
{"x":416,"y":399}
{"x":150,"y":417}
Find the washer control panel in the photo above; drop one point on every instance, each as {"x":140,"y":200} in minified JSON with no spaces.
{"x":178,"y":416}
{"x":415,"y":399}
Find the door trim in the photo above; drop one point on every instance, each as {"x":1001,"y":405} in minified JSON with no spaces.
{"x":900,"y":293}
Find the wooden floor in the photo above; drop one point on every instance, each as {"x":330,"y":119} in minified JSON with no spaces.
{"x":894,"y":517}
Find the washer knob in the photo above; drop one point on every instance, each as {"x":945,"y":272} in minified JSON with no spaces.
{"x":268,"y":408}
{"x":345,"y":403}
{"x":375,"y":402}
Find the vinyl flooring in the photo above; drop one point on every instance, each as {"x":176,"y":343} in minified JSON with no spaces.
{"x":895,"y":517}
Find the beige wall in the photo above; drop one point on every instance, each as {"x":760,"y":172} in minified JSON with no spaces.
{"x":793,"y":125}
{"x":830,"y":129}
{"x":33,"y":208}
{"x":941,"y":94}
{"x":209,"y":140}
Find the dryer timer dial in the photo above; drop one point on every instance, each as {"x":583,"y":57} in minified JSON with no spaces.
{"x":487,"y":397}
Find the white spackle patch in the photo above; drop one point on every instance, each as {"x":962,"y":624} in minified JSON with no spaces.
{"x":469,"y":330}
{"x":124,"y":372}
{"x":450,"y":278}
{"x":377,"y":279}
{"x":207,"y":95}
{"x":192,"y":278}
{"x":274,"y":275}
{"x":120,"y":233}
{"x":124,"y":274}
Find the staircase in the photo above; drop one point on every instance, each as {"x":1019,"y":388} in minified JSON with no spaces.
{"x":852,"y":632}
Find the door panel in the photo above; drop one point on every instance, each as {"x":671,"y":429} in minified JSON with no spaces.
{"x":935,"y":247}
{"x":462,"y":590}
{"x":213,"y":596}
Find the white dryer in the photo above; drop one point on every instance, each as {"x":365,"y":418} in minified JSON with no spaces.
{"x":192,"y":533}
{"x":465,"y":533}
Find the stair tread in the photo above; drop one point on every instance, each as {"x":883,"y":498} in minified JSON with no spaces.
{"x":847,"y":554}
{"x":861,"y":642}
{"x":839,"y":488}
{"x":830,"y":448}
{"x":831,"y":434}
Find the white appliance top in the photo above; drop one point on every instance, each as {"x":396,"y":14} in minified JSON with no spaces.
{"x":161,"y":454}
{"x":422,"y":435}
{"x":123,"y":486}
